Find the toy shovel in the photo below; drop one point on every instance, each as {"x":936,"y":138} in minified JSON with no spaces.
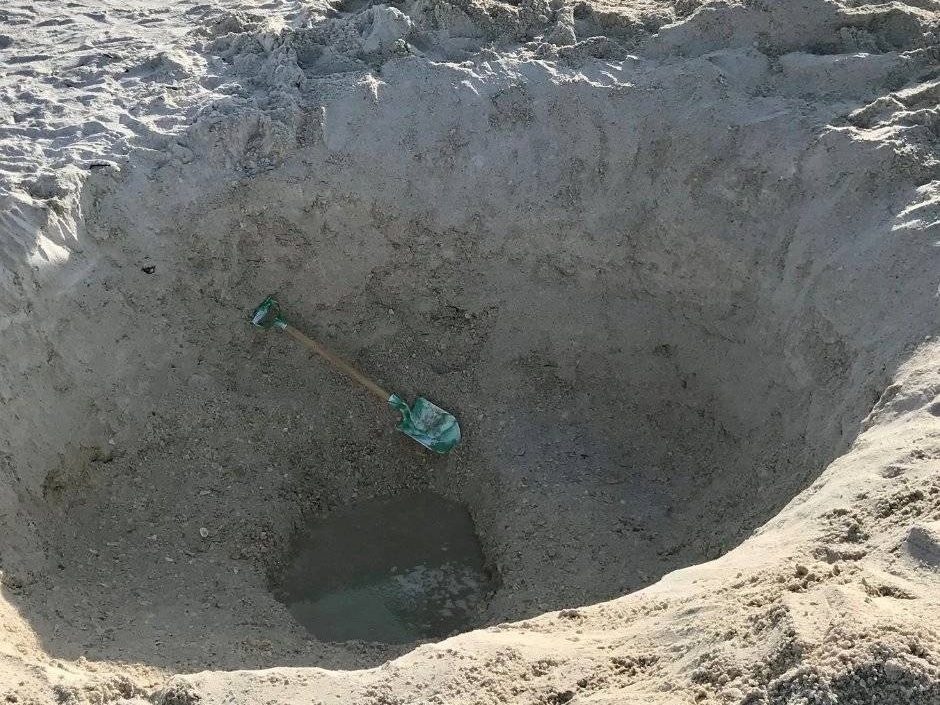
{"x":425,"y":422}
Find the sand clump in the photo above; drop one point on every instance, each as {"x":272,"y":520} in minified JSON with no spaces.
{"x":674,"y":266}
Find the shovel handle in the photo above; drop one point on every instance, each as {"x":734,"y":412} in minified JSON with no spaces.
{"x":338,"y":363}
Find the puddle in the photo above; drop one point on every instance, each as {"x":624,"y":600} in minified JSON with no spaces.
{"x":393,"y":570}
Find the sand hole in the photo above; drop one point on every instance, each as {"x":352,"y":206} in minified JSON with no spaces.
{"x":650,"y":347}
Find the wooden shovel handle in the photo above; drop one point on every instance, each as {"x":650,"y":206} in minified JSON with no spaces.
{"x":338,"y":363}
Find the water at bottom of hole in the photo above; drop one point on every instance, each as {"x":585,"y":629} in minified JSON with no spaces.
{"x":392,"y":570}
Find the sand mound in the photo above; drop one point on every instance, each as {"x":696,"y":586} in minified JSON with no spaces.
{"x":674,"y":267}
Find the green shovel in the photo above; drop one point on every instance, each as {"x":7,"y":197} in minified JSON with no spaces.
{"x":425,"y":422}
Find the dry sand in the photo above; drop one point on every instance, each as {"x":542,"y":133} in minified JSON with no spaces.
{"x":675,"y":266}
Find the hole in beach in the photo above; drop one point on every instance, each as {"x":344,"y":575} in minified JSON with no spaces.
{"x":647,"y":324}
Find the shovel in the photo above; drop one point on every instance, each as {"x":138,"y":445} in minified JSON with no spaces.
{"x":425,"y":422}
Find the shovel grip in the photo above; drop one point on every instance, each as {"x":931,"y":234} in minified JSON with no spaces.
{"x":338,"y":363}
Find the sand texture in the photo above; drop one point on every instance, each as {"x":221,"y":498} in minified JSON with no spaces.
{"x":674,"y":265}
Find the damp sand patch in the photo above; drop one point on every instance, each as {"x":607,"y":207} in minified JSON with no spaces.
{"x":393,"y":570}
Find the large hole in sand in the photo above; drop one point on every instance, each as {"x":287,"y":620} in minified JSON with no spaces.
{"x":650,"y":347}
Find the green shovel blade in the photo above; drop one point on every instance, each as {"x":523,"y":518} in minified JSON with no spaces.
{"x":427,"y":423}
{"x":268,"y":315}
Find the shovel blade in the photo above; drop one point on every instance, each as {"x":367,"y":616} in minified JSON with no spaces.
{"x":427,"y":423}
{"x":268,"y":315}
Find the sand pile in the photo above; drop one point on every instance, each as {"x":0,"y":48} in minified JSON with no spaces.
{"x":673,"y":266}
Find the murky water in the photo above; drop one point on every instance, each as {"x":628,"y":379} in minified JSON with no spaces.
{"x":392,"y":570}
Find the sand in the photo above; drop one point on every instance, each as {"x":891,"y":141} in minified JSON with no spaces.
{"x":674,"y":266}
